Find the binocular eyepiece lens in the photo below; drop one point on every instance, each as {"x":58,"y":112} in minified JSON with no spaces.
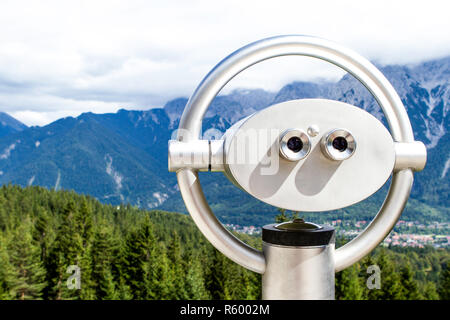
{"x":295,"y":144}
{"x":340,"y":144}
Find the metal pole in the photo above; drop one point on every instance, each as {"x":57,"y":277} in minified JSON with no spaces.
{"x":299,"y":262}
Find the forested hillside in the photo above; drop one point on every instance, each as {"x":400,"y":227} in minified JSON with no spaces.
{"x":127,"y":253}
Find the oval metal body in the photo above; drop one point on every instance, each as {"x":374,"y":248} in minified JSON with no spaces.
{"x":315,"y":183}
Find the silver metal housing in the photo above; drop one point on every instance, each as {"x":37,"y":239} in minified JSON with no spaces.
{"x":313,"y":183}
{"x":194,"y":155}
{"x":202,"y":155}
{"x":362,"y":70}
{"x":298,"y":273}
{"x":411,"y":155}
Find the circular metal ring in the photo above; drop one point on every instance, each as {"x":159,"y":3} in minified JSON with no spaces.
{"x":294,"y":144}
{"x":362,"y":70}
{"x":338,"y":144}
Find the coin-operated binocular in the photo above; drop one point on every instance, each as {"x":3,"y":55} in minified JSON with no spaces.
{"x":308,"y":155}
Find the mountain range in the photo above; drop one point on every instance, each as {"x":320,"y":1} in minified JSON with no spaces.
{"x":122,"y":157}
{"x":9,"y":125}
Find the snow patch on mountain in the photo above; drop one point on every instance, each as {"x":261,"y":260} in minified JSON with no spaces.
{"x":160,"y":197}
{"x":58,"y":181}
{"x":7,"y":152}
{"x":432,"y":99}
{"x":173,"y":118}
{"x":155,"y":118}
{"x":446,"y":167}
{"x":117,"y":177}
{"x":30,"y":182}
{"x":433,"y":131}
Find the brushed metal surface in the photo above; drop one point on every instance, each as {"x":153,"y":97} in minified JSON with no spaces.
{"x":314,"y":183}
{"x":202,"y":155}
{"x":411,"y":155}
{"x":217,"y":157}
{"x":298,"y":273}
{"x":194,"y":155}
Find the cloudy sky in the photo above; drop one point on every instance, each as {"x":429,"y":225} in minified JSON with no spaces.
{"x":61,"y":58}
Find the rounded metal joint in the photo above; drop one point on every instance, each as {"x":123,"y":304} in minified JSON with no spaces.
{"x":338,"y":144}
{"x":410,"y":155}
{"x":294,"y":145}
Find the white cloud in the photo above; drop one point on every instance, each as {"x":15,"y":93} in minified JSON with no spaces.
{"x":66,"y":57}
{"x":33,"y":108}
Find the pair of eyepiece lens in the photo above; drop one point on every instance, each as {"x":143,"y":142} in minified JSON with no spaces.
{"x":337,"y":144}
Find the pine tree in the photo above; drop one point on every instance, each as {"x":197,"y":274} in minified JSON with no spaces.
{"x":158,"y":281}
{"x":369,"y":278}
{"x":430,"y":291}
{"x":281,"y":217}
{"x":177,"y":269}
{"x":25,"y":258}
{"x":348,"y":285}
{"x":236,"y":282}
{"x":140,"y":259}
{"x":66,"y":250}
{"x":391,"y":288}
{"x":195,"y":282}
{"x":254,"y":285}
{"x":123,"y":290}
{"x":108,"y":287}
{"x":215,"y":275}
{"x":444,"y":283}
{"x":87,"y":291}
{"x":102,"y":260}
{"x":42,"y":231}
{"x":3,"y":219}
{"x":7,"y":274}
{"x":84,"y":225}
{"x":410,"y":289}
{"x":83,"y":221}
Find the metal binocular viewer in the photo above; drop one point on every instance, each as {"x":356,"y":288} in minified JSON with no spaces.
{"x":308,"y":155}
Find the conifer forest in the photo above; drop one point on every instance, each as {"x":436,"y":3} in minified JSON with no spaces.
{"x":122,"y":252}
